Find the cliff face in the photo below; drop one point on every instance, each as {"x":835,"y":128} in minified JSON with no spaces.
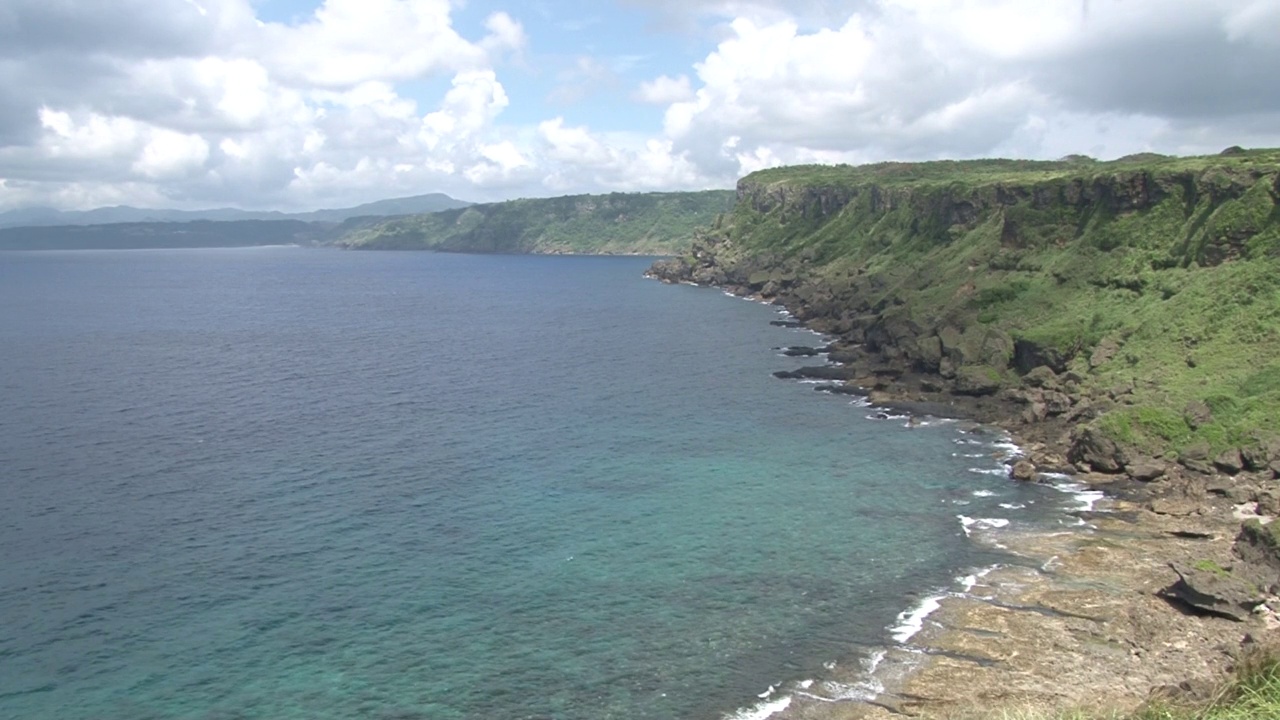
{"x":1109,"y":300}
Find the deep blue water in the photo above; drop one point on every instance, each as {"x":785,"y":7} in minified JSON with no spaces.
{"x":288,"y":483}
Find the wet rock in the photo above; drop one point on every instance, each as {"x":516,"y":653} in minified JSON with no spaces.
{"x":1096,"y":451}
{"x":932,"y":386}
{"x":817,"y":372}
{"x":1229,"y":462}
{"x":1213,"y":591}
{"x":1146,"y":471}
{"x":845,"y":389}
{"x":801,"y":351}
{"x":1023,"y":471}
{"x":786,"y":323}
{"x":1197,"y":414}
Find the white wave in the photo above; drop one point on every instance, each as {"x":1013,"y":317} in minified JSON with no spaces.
{"x":999,"y":472}
{"x":1013,"y":506}
{"x":1086,"y":497}
{"x":968,"y":523}
{"x":984,"y":493}
{"x":969,"y":455}
{"x":969,"y":582}
{"x":763,"y":710}
{"x":911,"y":622}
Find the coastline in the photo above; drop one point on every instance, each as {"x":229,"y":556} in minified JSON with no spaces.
{"x":1079,"y":620}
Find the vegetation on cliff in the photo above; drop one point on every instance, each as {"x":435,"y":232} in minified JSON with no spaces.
{"x":1138,"y":299}
{"x":618,"y":223}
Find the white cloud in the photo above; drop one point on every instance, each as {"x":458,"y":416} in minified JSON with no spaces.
{"x":199,"y":103}
{"x":349,"y":42}
{"x":168,"y":154}
{"x":664,"y":90}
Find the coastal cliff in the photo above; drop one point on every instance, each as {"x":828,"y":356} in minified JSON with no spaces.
{"x":613,"y":224}
{"x":1133,"y":301}
{"x":1121,"y":319}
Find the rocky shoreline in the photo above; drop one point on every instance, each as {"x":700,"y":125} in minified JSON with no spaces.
{"x":1154,"y":595}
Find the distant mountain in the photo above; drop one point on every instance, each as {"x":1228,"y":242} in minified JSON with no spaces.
{"x":44,"y":217}
{"x":187,"y":234}
{"x":613,"y":224}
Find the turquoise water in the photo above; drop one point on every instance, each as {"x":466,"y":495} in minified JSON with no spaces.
{"x":288,"y":483}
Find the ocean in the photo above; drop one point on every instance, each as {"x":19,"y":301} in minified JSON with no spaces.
{"x":299,"y":483}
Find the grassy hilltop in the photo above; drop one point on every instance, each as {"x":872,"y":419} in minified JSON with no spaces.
{"x":1159,"y":276}
{"x":618,"y":223}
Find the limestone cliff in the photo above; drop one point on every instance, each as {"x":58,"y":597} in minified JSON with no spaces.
{"x":1134,"y":303}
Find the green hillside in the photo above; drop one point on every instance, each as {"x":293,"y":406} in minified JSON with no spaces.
{"x":631,"y":224}
{"x":1156,"y":275}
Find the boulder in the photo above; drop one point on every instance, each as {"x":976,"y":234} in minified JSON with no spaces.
{"x":1214,"y":591}
{"x":1056,"y":403}
{"x":1023,"y":471}
{"x":929,"y":353}
{"x":1041,"y":377}
{"x":1102,"y":354}
{"x":1229,"y":462}
{"x":977,"y":380}
{"x":1146,"y":470}
{"x":1091,"y":448}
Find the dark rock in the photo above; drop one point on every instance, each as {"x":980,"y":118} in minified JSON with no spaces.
{"x":817,"y":372}
{"x":929,"y":354}
{"x":1229,"y":462}
{"x":842,"y":390}
{"x":1255,"y":457}
{"x":1028,"y":354}
{"x":786,"y":323}
{"x":1096,"y":451}
{"x":977,"y":380}
{"x":1023,"y":471}
{"x":932,"y":386}
{"x":1197,"y":414}
{"x":1274,"y":467}
{"x":1145,"y":471}
{"x":1214,"y":592}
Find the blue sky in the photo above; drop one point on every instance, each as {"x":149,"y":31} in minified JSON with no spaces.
{"x":298,"y":104}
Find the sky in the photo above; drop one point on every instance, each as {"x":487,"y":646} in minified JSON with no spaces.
{"x":303,"y":104}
